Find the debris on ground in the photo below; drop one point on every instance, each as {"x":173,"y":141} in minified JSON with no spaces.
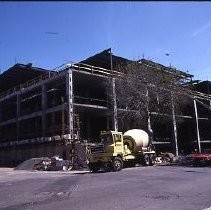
{"x":165,"y":158}
{"x":44,"y":164}
{"x":33,"y":164}
{"x":182,"y":160}
{"x":58,"y":164}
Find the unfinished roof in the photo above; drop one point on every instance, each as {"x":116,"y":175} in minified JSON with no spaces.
{"x":18,"y":74}
{"x":164,"y":68}
{"x":21,"y":73}
{"x":103,"y":59}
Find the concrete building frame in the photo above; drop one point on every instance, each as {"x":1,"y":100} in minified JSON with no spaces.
{"x":44,"y":115}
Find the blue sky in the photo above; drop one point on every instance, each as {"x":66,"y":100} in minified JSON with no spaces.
{"x":132,"y":29}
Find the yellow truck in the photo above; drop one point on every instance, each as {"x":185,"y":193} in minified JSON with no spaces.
{"x":117,"y":150}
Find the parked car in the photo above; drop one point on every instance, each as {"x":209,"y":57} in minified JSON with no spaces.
{"x":200,"y":159}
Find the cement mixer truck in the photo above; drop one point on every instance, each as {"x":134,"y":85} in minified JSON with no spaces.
{"x":117,"y":150}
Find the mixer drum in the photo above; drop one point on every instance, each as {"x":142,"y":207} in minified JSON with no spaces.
{"x":135,"y":139}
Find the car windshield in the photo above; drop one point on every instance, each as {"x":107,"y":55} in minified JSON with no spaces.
{"x":106,"y":138}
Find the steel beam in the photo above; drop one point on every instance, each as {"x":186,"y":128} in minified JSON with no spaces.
{"x":174,"y":125}
{"x":197,"y":126}
{"x":69,"y":96}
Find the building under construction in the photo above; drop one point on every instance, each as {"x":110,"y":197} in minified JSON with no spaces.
{"x":43,"y":111}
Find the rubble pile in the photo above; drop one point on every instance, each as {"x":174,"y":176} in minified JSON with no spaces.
{"x":45,"y":164}
{"x":32,"y":163}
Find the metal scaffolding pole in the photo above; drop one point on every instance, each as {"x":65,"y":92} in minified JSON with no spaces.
{"x":197,"y":125}
{"x":174,"y":126}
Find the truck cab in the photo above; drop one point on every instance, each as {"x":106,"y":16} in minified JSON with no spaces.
{"x":113,"y":142}
{"x":107,"y":154}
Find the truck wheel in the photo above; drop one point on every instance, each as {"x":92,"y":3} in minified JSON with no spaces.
{"x":117,"y":164}
{"x":146,"y":161}
{"x":94,"y":167}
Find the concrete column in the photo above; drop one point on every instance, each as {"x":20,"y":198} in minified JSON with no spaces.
{"x":197,"y":126}
{"x":174,"y":125}
{"x":44,"y":106}
{"x":115,"y":121}
{"x":69,"y":94}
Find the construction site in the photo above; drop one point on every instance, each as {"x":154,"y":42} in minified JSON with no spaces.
{"x":43,"y":112}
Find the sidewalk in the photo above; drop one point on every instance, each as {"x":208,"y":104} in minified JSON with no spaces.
{"x":5,"y":170}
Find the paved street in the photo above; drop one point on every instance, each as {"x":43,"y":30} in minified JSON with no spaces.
{"x":159,"y":187}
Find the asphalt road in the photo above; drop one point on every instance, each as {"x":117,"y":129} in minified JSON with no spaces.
{"x":158,"y":187}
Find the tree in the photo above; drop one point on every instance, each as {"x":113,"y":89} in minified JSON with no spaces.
{"x":145,"y":87}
